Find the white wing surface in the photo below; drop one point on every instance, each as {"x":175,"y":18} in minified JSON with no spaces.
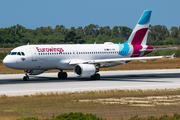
{"x":74,"y":62}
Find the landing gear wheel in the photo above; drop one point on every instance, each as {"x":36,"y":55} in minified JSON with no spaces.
{"x":95,"y":77}
{"x":62,"y":75}
{"x":26,"y":78}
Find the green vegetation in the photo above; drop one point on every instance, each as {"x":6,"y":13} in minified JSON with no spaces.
{"x":81,"y":116}
{"x":164,"y":117}
{"x":3,"y":55}
{"x":70,"y":116}
{"x":18,"y":35}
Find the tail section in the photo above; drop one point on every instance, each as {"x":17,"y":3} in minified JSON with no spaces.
{"x":138,"y":37}
{"x":140,"y":32}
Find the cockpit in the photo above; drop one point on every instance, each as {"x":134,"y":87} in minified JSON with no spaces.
{"x":17,"y":53}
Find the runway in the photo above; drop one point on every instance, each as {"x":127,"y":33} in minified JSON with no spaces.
{"x":12,"y":84}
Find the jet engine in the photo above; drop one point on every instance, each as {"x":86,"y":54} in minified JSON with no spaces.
{"x":34,"y":72}
{"x":84,"y":70}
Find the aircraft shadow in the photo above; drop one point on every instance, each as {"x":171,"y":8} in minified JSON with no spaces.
{"x":127,"y":78}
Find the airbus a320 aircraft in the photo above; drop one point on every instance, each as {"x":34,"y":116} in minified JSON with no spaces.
{"x":84,"y":59}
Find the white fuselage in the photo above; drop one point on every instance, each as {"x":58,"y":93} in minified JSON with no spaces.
{"x":44,"y":57}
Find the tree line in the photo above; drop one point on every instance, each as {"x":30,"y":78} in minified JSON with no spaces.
{"x":18,"y":35}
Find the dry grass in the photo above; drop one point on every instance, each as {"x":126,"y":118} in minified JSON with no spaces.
{"x":5,"y":49}
{"x":164,"y":63}
{"x":139,"y":101}
{"x":46,"y":105}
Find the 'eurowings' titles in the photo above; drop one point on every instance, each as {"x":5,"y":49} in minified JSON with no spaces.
{"x":49,"y":49}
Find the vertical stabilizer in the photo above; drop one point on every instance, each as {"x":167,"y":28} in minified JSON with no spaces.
{"x":140,"y":32}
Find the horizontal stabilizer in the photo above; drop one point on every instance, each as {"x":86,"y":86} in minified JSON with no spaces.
{"x":158,"y":49}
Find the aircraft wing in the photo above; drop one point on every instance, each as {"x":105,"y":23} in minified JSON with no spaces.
{"x":158,"y":49}
{"x":118,"y":60}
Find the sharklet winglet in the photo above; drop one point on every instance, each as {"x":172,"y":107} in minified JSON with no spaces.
{"x":171,"y":56}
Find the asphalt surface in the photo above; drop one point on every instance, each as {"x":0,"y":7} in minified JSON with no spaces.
{"x":12,"y":84}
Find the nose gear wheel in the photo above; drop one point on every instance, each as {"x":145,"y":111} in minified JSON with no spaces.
{"x":26,"y":78}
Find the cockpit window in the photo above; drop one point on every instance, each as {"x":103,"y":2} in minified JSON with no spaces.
{"x":13,"y":53}
{"x":22,"y":53}
{"x":18,"y":53}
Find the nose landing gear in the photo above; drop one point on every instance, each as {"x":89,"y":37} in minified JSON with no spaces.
{"x":26,"y":78}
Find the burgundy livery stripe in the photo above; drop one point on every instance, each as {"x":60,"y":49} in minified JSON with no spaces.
{"x":139,"y":36}
{"x":137,"y":40}
{"x":136,"y":51}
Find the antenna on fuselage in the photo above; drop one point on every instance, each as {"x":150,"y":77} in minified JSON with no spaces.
{"x":95,"y":42}
{"x":28,"y":43}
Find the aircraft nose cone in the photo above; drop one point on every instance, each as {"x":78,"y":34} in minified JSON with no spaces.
{"x":7,"y":62}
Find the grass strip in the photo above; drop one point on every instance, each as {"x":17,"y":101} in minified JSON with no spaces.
{"x":46,"y":105}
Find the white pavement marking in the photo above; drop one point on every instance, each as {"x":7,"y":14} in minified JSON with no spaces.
{"x":12,"y":84}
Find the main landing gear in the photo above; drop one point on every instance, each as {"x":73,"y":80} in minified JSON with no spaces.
{"x":95,"y":76}
{"x":62,"y":75}
{"x":26,"y":78}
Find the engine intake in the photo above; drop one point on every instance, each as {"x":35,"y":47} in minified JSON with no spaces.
{"x":84,"y":70}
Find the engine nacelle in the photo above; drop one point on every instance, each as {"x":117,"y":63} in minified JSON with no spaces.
{"x":35,"y":72}
{"x":84,"y":70}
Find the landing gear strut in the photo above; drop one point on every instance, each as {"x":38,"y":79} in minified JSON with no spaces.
{"x":26,"y":78}
{"x":95,"y":76}
{"x":62,"y":75}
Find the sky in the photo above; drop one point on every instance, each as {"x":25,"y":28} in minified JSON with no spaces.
{"x":74,"y":13}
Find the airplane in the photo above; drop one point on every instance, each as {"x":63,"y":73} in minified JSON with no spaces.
{"x":84,"y":59}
